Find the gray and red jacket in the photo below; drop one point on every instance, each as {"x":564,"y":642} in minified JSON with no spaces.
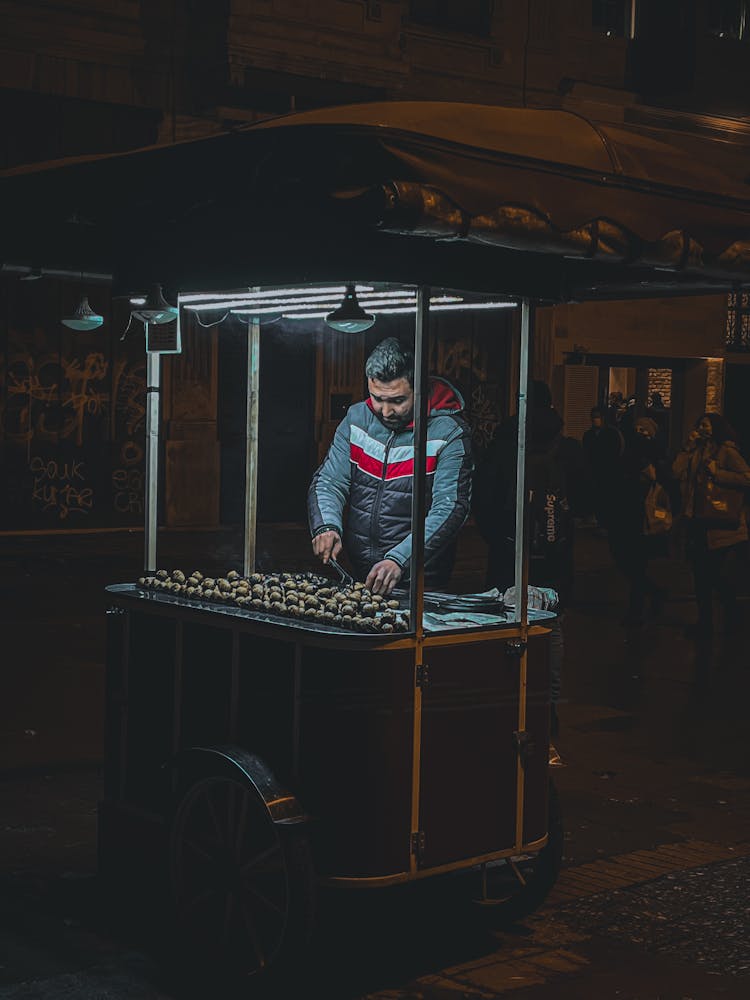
{"x":368,"y":473}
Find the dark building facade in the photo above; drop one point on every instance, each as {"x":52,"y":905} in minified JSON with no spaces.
{"x":85,"y":78}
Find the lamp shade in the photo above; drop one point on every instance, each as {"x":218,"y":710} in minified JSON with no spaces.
{"x":350,"y":317}
{"x":155,"y":309}
{"x":83,"y":317}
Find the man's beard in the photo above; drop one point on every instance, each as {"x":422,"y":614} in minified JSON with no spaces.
{"x":396,"y":423}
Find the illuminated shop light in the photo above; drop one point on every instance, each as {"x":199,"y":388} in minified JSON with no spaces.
{"x":267,"y":293}
{"x":318,"y":300}
{"x":389,"y":309}
{"x":371,"y":303}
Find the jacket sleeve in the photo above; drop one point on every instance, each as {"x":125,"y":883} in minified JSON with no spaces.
{"x":733,"y":470}
{"x":451,"y":498}
{"x":681,"y":464}
{"x":329,"y":489}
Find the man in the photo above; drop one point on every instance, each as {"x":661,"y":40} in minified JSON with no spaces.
{"x":369,"y":469}
{"x":555,"y":478}
{"x":603,"y":446}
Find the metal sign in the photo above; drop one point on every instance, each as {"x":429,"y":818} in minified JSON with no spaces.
{"x":164,"y":339}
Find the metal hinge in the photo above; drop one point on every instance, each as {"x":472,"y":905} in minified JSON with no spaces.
{"x":418,"y":844}
{"x":423,"y":675}
{"x":515,"y":647}
{"x":524,"y":744}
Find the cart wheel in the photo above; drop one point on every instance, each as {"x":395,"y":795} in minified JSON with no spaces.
{"x":243,"y":887}
{"x":517,"y":886}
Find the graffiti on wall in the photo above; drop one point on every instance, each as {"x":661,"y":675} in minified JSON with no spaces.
{"x":60,"y":487}
{"x":465,"y":362}
{"x":72,"y":427}
{"x":50,"y":398}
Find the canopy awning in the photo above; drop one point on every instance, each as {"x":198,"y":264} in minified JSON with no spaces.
{"x":589,"y":210}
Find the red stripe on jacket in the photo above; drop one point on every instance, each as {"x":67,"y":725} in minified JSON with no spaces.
{"x":394,"y":470}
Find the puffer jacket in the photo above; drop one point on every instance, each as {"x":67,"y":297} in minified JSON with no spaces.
{"x":731,"y":470}
{"x":368,"y":472}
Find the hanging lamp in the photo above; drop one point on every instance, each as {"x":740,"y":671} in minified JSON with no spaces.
{"x":83,"y":317}
{"x":350,"y":317}
{"x":155,"y":309}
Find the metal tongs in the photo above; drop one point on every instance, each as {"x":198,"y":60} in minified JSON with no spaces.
{"x":346,"y":578}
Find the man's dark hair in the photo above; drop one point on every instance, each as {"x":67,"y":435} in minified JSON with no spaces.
{"x":596,"y":411}
{"x":390,"y":361}
{"x":540,"y":396}
{"x":721,"y":429}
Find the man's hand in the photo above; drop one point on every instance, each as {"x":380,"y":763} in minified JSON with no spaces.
{"x":327,"y":545}
{"x":383,"y":577}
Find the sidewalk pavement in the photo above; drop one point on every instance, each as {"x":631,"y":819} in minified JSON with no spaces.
{"x":653,"y":732}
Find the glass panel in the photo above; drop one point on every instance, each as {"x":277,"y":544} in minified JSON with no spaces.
{"x":335,"y":453}
{"x":610,"y":17}
{"x":726,"y":18}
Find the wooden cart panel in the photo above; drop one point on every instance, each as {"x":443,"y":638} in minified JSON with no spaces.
{"x":469,"y":750}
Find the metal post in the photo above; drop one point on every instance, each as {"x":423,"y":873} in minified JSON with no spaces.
{"x":421,"y":399}
{"x":632,"y":19}
{"x":251,"y":444}
{"x":416,"y":582}
{"x":153,"y":379}
{"x":522,"y":555}
{"x":522,"y":562}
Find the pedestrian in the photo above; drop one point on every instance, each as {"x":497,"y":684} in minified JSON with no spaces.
{"x":634,"y":537}
{"x":369,"y":469}
{"x":713,"y":478}
{"x":556,"y":481}
{"x":614,"y":404}
{"x":603,"y":446}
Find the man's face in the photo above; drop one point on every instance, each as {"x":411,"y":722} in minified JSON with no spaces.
{"x":393,"y":402}
{"x":596,"y":420}
{"x":705,"y":429}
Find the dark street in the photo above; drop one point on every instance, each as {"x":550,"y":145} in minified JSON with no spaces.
{"x":652,"y":901}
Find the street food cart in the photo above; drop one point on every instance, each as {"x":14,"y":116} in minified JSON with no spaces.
{"x":269,"y":732}
{"x":253,"y":754}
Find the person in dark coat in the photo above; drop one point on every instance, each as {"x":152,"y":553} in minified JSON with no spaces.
{"x":643,"y":463}
{"x":603,"y":446}
{"x":715,"y":551}
{"x":555,"y":468}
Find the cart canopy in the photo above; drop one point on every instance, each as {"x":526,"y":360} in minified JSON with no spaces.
{"x":511,"y":199}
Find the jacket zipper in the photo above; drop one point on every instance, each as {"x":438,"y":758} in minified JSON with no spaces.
{"x":379,"y":495}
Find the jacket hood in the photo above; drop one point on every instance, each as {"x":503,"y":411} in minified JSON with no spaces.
{"x":444,"y":397}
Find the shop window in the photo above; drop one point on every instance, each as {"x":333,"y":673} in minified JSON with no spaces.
{"x":738,"y":322}
{"x":660,"y":388}
{"x":471,"y":17}
{"x":729,"y":19}
{"x":611,"y":17}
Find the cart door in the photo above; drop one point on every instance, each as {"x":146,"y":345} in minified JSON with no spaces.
{"x":469,"y":749}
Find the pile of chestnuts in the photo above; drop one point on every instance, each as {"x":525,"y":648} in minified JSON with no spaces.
{"x":291,"y":595}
